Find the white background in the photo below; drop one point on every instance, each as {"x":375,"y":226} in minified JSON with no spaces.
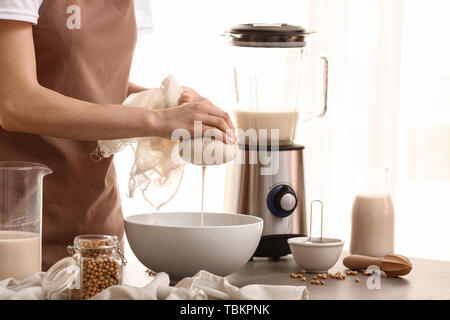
{"x":186,"y":42}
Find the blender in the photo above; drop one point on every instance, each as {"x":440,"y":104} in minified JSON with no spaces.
{"x":267,"y":177}
{"x":20,"y":218}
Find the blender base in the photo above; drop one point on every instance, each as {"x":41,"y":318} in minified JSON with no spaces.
{"x":274,"y":246}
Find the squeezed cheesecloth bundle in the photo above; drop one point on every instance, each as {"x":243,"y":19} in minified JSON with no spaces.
{"x":157,"y":168}
{"x":205,"y":151}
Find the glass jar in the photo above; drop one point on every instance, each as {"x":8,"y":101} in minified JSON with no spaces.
{"x":372,"y":215}
{"x":100,"y":263}
{"x":20,"y":218}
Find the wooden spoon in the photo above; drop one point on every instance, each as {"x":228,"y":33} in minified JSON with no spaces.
{"x":394,"y":265}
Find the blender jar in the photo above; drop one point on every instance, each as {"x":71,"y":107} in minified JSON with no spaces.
{"x":20,"y":218}
{"x":269,"y":64}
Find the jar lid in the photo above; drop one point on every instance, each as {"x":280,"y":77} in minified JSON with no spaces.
{"x":95,"y":241}
{"x":61,"y":276}
{"x":277,"y":35}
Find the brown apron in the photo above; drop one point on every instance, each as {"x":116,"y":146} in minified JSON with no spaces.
{"x":90,"y":63}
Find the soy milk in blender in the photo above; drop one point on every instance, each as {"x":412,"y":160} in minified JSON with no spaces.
{"x":284,"y":122}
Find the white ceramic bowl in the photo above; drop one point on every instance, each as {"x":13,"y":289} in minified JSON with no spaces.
{"x":315,"y":256}
{"x":174,"y":242}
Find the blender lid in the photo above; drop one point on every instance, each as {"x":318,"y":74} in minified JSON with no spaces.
{"x":277,"y":35}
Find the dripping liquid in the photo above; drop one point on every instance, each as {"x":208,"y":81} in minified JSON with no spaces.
{"x":203,"y":191}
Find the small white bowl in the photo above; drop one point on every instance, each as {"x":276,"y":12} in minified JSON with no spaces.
{"x":317,"y":255}
{"x":174,"y":242}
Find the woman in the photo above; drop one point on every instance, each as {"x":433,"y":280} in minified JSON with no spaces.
{"x":64,"y":68}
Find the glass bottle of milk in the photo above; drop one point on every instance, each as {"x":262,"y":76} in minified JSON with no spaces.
{"x":372,"y":215}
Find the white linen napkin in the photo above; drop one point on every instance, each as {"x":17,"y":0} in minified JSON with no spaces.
{"x":219,"y":288}
{"x":26,"y":289}
{"x":202,"y":286}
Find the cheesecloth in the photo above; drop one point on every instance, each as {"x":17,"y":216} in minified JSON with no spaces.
{"x":157,"y":169}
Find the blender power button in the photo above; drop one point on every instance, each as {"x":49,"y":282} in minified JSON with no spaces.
{"x":281,"y":201}
{"x":288,"y":202}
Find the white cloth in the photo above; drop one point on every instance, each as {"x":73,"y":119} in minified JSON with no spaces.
{"x":157,"y":168}
{"x":27,"y":289}
{"x":28,"y":11}
{"x":219,"y":288}
{"x":202,"y":286}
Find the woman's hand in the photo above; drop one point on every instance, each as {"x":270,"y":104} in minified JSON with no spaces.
{"x":194,"y":107}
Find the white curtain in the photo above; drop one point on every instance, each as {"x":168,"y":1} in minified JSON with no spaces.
{"x":374,"y":118}
{"x":389,"y":102}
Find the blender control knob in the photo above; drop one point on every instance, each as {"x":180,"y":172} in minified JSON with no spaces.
{"x":281,"y":201}
{"x":288,"y":201}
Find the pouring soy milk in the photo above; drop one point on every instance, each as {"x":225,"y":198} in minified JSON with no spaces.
{"x":205,"y":151}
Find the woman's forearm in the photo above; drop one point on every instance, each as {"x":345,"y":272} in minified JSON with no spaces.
{"x":42,"y":111}
{"x":26,"y":106}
